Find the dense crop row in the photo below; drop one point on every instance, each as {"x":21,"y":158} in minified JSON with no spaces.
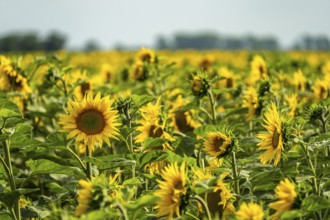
{"x":164,"y":134}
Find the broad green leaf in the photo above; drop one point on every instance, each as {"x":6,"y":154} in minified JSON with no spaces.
{"x":153,"y":142}
{"x":5,"y":216}
{"x":9,"y":198}
{"x":186,"y":146}
{"x":9,"y":109}
{"x":132,"y":181}
{"x":105,"y":162}
{"x":143,"y":201}
{"x":141,"y":100}
{"x":152,"y":156}
{"x":57,"y":140}
{"x":295,"y":214}
{"x":43,"y":166}
{"x":315,"y":203}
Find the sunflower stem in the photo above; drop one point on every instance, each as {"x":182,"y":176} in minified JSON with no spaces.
{"x":212,"y":102}
{"x":89,"y":173}
{"x":235,"y":173}
{"x":78,"y":159}
{"x":311,"y":166}
{"x":130,"y":136}
{"x":9,"y":171}
{"x":206,"y":208}
{"x":122,"y":210}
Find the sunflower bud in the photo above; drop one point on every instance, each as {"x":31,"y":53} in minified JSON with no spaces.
{"x":199,"y":86}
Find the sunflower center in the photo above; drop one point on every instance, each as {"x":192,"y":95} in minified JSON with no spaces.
{"x":178,"y":184}
{"x":229,"y":83}
{"x":155,"y":131}
{"x":84,"y":88}
{"x":275,"y":139}
{"x":146,"y":57}
{"x":91,"y":121}
{"x":322,"y":93}
{"x":181,"y":122}
{"x":218,"y":143}
{"x":261,"y":69}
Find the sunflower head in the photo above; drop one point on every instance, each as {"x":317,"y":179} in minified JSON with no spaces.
{"x":272,"y":141}
{"x":321,"y":89}
{"x":251,"y":102}
{"x":173,"y":191}
{"x":317,"y":112}
{"x":139,"y":71}
{"x":286,"y":195}
{"x":200,"y":85}
{"x":91,"y":121}
{"x":146,"y":55}
{"x":250,"y":211}
{"x":218,"y":144}
{"x":259,"y":67}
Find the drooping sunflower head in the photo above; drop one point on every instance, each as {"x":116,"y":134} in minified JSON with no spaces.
{"x":91,"y":121}
{"x":146,"y":55}
{"x":139,"y":71}
{"x":316,"y":112}
{"x":206,"y":63}
{"x":250,"y":211}
{"x":299,"y":80}
{"x":84,"y":197}
{"x":218,"y":144}
{"x":286,"y":195}
{"x":172,"y":191}
{"x":251,"y":101}
{"x":272,"y":141}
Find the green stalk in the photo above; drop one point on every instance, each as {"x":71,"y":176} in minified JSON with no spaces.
{"x":235,"y":173}
{"x":212,"y":102}
{"x":205,"y":206}
{"x":130,"y":136}
{"x":311,"y":166}
{"x":78,"y":159}
{"x":89,"y":172}
{"x":9,"y":170}
{"x":122,"y":210}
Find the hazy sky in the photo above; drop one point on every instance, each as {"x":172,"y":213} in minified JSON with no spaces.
{"x":138,"y":22}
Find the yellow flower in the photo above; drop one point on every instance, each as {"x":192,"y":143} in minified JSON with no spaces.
{"x":272,"y":141}
{"x":138,"y":71}
{"x":321,"y":89}
{"x":91,"y":121}
{"x":172,"y":190}
{"x":84,"y":197}
{"x":146,"y":55}
{"x":151,"y":112}
{"x":292,"y":102}
{"x":251,"y":101}
{"x":258,"y":70}
{"x":222,"y":188}
{"x":182,"y":120}
{"x":286,"y":194}
{"x":250,"y":211}
{"x":217,"y":144}
{"x":299,"y":80}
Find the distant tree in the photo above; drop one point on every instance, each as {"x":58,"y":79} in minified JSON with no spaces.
{"x":29,"y":42}
{"x":54,"y":41}
{"x":9,"y":43}
{"x":162,"y":43}
{"x":91,"y":45}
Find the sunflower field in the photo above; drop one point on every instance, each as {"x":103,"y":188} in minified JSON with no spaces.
{"x":165,"y":135}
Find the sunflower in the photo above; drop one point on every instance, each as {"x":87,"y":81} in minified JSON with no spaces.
{"x":292,"y":102}
{"x":172,"y":191}
{"x":11,"y":79}
{"x":84,"y":197}
{"x":182,"y":121}
{"x":218,"y":144}
{"x":146,"y":55}
{"x":151,"y":112}
{"x":299,"y":80}
{"x":258,"y":70}
{"x":91,"y":121}
{"x":220,"y":200}
{"x":272,"y":141}
{"x":286,"y":194}
{"x":251,"y":101}
{"x":321,"y":89}
{"x":139,"y":71}
{"x":250,"y":211}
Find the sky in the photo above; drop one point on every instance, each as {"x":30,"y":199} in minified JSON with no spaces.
{"x":139,"y":22}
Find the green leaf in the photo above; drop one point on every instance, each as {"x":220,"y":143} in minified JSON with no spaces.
{"x":152,"y":156}
{"x":5,"y":216}
{"x":153,"y":142}
{"x":202,"y":130}
{"x":9,"y":198}
{"x":22,"y":137}
{"x":132,"y":181}
{"x":315,"y":203}
{"x":9,"y":109}
{"x":141,"y":100}
{"x":4,"y":137}
{"x":295,"y":214}
{"x":106,"y":162}
{"x":43,"y":166}
{"x":146,"y":200}
{"x":57,"y":140}
{"x":186,"y":146}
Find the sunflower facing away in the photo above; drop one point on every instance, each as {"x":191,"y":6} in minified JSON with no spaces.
{"x":217,"y":144}
{"x":84,"y":197}
{"x":272,"y":141}
{"x":250,"y":211}
{"x":91,"y":121}
{"x":286,"y":194}
{"x":172,"y":191}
